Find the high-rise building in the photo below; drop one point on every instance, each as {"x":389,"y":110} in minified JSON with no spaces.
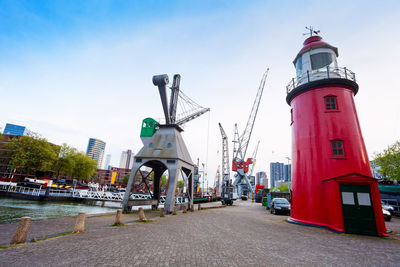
{"x":262,"y":178}
{"x":276,"y":172}
{"x":280,"y":172}
{"x":13,"y":129}
{"x":126,"y":160}
{"x":376,"y":169}
{"x":95,"y":150}
{"x":287,"y":173}
{"x":107,"y":165}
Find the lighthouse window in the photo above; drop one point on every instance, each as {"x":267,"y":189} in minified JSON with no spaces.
{"x":321,"y":60}
{"x":330,"y":102}
{"x":337,"y":148}
{"x":299,"y":66}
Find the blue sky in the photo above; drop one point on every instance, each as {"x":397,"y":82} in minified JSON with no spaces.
{"x":71,"y":70}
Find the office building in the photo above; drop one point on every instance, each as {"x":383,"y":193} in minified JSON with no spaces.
{"x":276,"y":172}
{"x":262,"y":178}
{"x":13,"y":129}
{"x":376,"y":169}
{"x":107,"y":165}
{"x":280,"y":172}
{"x":287,"y":173}
{"x":126,"y":160}
{"x":95,"y":150}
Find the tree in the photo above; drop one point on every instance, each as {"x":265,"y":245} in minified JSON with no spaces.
{"x":389,"y":161}
{"x":125,"y":179}
{"x":163,"y":181}
{"x":282,"y":189}
{"x":84,"y":167}
{"x":32,"y":153}
{"x":65,"y":162}
{"x":181,"y":184}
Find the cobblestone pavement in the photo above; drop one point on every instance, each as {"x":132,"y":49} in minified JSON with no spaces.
{"x":45,"y":228}
{"x":241,"y":235}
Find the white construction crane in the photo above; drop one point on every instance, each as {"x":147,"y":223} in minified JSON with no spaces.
{"x":241,"y":143}
{"x":227,"y":189}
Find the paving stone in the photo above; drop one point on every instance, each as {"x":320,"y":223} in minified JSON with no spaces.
{"x":242,"y":235}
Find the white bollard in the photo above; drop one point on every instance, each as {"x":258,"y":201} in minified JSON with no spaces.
{"x":174,"y":210}
{"x":22,"y":231}
{"x":118,"y":217}
{"x":80,"y":223}
{"x":142,"y":217}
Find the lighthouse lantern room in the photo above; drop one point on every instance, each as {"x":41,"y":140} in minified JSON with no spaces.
{"x":332,"y":183}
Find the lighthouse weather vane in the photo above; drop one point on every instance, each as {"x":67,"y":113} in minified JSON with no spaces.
{"x":311,"y":31}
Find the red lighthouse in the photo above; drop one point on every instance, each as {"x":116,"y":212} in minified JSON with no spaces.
{"x":332,"y":183}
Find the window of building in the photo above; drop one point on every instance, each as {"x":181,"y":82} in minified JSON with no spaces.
{"x":291,"y":116}
{"x":321,"y":60}
{"x":337,"y":148}
{"x":331,"y":103}
{"x":299,"y":66}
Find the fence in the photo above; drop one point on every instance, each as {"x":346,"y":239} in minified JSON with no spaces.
{"x":320,"y":74}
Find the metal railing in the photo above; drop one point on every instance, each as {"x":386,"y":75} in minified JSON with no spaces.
{"x":59,"y":193}
{"x":320,"y":74}
{"x":85,"y":194}
{"x":23,"y":190}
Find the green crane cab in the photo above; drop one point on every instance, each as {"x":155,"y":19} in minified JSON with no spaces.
{"x":149,"y":127}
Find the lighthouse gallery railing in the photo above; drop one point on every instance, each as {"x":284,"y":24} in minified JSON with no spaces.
{"x":320,"y":74}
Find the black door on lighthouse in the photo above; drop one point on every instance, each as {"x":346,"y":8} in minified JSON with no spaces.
{"x":358,"y":212}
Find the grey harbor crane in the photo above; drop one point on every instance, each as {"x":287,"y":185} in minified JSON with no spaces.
{"x":164,"y":149}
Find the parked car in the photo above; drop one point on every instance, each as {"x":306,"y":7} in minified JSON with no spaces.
{"x":387,"y":207}
{"x":280,"y":205}
{"x":387,"y":215}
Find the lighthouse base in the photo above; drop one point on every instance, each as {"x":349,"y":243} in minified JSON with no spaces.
{"x":306,"y":223}
{"x":327,"y":227}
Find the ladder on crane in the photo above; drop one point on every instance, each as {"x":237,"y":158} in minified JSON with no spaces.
{"x":241,"y":143}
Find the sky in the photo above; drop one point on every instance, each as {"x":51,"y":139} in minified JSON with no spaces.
{"x":72,"y":70}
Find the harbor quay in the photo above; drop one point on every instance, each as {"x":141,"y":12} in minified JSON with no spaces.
{"x":244,"y":234}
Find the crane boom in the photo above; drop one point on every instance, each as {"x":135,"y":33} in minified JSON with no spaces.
{"x":190,"y":117}
{"x":173,"y":103}
{"x":190,"y":109}
{"x":225,"y":155}
{"x":245,"y":137}
{"x":254,"y":158}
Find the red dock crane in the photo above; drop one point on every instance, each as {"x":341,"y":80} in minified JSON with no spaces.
{"x":241,"y":143}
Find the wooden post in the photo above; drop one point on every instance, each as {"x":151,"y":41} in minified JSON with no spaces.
{"x":174,"y":210}
{"x":118,"y":217}
{"x":192,"y":208}
{"x":142,"y":217}
{"x":184,"y":208}
{"x":22,"y":231}
{"x":199,"y":207}
{"x":80,"y":223}
{"x":162,"y":212}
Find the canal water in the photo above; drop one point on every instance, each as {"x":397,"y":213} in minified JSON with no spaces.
{"x":12,"y":209}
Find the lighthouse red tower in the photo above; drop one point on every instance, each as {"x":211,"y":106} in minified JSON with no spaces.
{"x":332,"y":183}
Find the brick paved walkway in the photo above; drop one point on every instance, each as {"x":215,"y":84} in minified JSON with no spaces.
{"x":242,"y":235}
